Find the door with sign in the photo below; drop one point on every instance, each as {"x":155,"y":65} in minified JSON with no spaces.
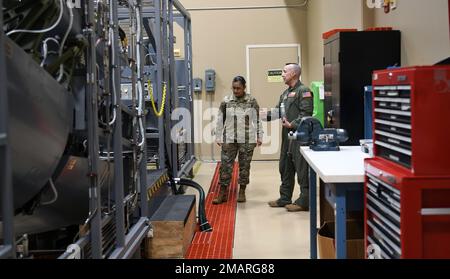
{"x":264,"y":81}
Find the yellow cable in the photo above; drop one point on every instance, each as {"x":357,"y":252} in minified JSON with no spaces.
{"x":155,"y":110}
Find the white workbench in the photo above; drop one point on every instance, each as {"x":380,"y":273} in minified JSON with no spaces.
{"x":344,"y":166}
{"x":344,"y":171}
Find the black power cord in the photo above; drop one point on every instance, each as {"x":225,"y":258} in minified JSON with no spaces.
{"x":204,"y":224}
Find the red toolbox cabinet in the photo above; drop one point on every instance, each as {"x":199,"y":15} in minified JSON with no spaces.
{"x":406,"y":216}
{"x":411,"y":126}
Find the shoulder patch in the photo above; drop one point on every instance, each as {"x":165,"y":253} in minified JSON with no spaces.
{"x":307,"y":95}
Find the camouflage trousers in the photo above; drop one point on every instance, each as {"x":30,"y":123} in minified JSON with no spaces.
{"x":228,"y":155}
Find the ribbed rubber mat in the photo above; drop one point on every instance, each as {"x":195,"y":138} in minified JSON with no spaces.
{"x":217,"y":244}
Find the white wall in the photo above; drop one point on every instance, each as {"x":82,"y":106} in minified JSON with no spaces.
{"x":323,"y":16}
{"x":425,"y":30}
{"x":220,"y":38}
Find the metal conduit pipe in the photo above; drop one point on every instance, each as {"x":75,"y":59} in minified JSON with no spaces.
{"x":250,"y":7}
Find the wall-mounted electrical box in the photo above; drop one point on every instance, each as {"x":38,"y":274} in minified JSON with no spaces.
{"x":210,"y":80}
{"x":198,"y":84}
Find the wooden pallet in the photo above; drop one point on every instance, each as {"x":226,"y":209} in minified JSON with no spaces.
{"x":174,"y":225}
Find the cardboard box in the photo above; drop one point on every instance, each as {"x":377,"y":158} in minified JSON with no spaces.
{"x":355,"y":240}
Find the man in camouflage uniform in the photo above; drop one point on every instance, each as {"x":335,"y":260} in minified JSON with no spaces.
{"x":238,"y":131}
{"x":295,"y":103}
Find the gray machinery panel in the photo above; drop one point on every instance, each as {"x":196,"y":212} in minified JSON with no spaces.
{"x":40,"y":120}
{"x":72,"y":205}
{"x":183,"y":94}
{"x":12,"y":10}
{"x":59,"y":138}
{"x":78,"y":91}
{"x":127,"y":88}
{"x":151,"y":120}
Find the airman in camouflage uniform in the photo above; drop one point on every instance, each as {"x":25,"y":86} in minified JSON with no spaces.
{"x":238,"y":131}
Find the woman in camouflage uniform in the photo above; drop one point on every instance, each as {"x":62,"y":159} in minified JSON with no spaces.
{"x":238,"y":132}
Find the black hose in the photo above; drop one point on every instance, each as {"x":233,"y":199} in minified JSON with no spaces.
{"x":169,"y":170}
{"x":204,"y":224}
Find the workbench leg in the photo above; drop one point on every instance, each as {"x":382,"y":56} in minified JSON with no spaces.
{"x":313,"y":213}
{"x":341,"y":223}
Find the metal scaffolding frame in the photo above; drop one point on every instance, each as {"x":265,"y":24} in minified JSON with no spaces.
{"x":7,"y":248}
{"x":127,"y":235}
{"x":117,"y":135}
{"x":127,"y":241}
{"x":128,"y":244}
{"x":173,"y":85}
{"x":184,"y":20}
{"x":92,"y":142}
{"x":164,"y":16}
{"x":159,"y":79}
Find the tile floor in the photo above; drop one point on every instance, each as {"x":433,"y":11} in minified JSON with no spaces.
{"x":262,"y":232}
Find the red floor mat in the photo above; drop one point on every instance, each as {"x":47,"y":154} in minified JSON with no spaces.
{"x":217,"y":244}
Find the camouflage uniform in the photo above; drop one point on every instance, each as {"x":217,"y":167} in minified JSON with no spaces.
{"x":238,"y":128}
{"x":298,"y":103}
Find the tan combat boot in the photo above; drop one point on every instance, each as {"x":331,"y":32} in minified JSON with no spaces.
{"x":222,"y":197}
{"x":241,"y":197}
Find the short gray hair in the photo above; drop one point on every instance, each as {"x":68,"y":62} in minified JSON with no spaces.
{"x":295,"y":68}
